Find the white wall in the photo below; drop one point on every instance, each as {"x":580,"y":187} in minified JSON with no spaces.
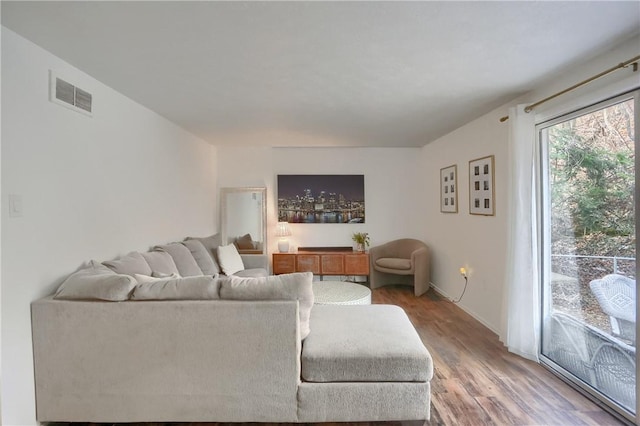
{"x":392,"y":188}
{"x":460,"y":239}
{"x":91,"y":187}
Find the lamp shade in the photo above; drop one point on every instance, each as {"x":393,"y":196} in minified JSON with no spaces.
{"x":283,"y":230}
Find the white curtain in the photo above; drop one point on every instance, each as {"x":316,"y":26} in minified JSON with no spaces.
{"x":521,"y":304}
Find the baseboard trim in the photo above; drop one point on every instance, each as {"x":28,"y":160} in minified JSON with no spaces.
{"x":465,"y":308}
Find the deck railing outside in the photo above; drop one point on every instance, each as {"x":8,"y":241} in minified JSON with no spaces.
{"x":614,"y":258}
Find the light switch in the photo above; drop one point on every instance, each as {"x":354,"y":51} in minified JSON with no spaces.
{"x":15,"y":205}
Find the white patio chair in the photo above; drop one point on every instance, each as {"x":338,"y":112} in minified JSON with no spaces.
{"x":601,"y":360}
{"x":616,"y":295}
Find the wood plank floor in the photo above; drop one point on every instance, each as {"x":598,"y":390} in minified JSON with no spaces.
{"x":476,"y":380}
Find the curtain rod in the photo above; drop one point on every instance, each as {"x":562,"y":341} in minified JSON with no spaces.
{"x":624,"y":64}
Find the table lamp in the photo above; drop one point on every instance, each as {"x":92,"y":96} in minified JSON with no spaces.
{"x":283,"y":232}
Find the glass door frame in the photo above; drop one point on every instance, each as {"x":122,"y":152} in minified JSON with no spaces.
{"x":544,"y":214}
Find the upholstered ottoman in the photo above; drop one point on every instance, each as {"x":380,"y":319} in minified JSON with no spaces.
{"x":365,"y":358}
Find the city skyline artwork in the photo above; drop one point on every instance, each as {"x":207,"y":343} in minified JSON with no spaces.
{"x":321,"y":198}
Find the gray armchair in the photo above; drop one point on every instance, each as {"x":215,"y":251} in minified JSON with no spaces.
{"x":404,"y":261}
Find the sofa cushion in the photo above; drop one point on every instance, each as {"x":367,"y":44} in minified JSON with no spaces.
{"x":186,"y":264}
{"x":132,"y":263}
{"x":230,"y":260}
{"x":96,"y":282}
{"x":364,"y":343}
{"x":162,"y":275}
{"x":203,"y":287}
{"x":207,"y":265}
{"x":211,"y":243}
{"x":160,"y":263}
{"x":252,"y":273}
{"x":254,"y":261}
{"x":154,"y":278}
{"x":394,"y":263}
{"x":296,"y":286}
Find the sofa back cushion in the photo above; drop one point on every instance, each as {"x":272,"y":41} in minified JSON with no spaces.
{"x":211,"y":243}
{"x":161,"y":263}
{"x":186,"y":264}
{"x":96,"y":282}
{"x":296,"y":286}
{"x":207,"y":265}
{"x":204,"y":287}
{"x":132,"y":263}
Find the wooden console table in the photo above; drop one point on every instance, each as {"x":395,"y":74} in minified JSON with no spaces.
{"x":322,"y":262}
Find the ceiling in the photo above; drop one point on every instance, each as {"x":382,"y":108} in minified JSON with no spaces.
{"x":334,"y":73}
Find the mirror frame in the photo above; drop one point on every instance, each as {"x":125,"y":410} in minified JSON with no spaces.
{"x":224,"y":192}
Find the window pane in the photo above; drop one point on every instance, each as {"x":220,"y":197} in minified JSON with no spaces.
{"x":589,"y":291}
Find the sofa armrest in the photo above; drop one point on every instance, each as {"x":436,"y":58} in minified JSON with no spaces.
{"x":107,"y":362}
{"x":420,"y":262}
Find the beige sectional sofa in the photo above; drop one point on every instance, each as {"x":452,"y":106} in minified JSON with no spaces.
{"x":256,"y":350}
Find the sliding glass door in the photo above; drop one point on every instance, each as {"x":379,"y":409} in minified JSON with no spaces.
{"x":589,"y":249}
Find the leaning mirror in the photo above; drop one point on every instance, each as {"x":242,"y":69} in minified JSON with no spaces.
{"x":244,"y":216}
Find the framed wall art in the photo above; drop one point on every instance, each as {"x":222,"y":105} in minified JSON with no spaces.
{"x":481,"y":186}
{"x":321,"y":198}
{"x":449,"y":189}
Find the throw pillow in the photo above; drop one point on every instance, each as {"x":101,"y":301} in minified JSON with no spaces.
{"x":296,"y":286}
{"x":96,"y":282}
{"x":245,"y":242}
{"x":133,"y":263}
{"x":230,"y":260}
{"x":202,"y":287}
{"x":207,"y":265}
{"x":186,"y":264}
{"x":160,"y":262}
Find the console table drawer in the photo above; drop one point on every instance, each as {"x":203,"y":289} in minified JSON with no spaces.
{"x":284,"y":263}
{"x":332,"y":264}
{"x":356,"y":264}
{"x":308,"y":263}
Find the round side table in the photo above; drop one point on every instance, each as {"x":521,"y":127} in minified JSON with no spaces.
{"x":340,"y":293}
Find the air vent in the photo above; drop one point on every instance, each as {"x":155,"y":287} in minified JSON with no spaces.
{"x":66,"y":94}
{"x":83,"y":100}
